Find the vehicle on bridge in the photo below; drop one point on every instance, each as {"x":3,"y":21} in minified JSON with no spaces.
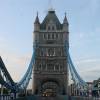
{"x":49,"y":93}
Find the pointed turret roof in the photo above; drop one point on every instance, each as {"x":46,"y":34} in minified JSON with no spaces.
{"x":65,"y":20}
{"x":37,"y":20}
{"x":51,"y":16}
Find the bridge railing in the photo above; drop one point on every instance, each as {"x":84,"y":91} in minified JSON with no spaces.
{"x":5,"y":97}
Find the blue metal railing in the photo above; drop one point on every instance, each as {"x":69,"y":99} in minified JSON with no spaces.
{"x":23,"y":83}
{"x":80,"y":84}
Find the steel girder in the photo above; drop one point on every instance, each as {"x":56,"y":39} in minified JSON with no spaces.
{"x":78,"y":81}
{"x":23,"y":83}
{"x":5,"y":72}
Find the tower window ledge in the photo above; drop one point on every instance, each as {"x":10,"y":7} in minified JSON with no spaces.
{"x":51,"y":41}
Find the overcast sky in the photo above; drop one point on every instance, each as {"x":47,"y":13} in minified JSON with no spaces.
{"x":16,"y":37}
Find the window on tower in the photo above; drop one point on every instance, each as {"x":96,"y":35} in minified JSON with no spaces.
{"x":44,"y":66}
{"x":53,"y":28}
{"x":51,"y":52}
{"x":48,"y":36}
{"x":49,"y":28}
{"x":44,"y":36}
{"x":57,"y":67}
{"x":59,"y":51}
{"x":50,"y":67}
{"x":56,"y":36}
{"x":61,"y":67}
{"x":53,"y":36}
{"x":39,"y":67}
{"x":42,"y":52}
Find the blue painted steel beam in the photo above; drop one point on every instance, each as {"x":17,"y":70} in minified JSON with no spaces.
{"x":23,"y":83}
{"x":5,"y":71}
{"x":75,"y":76}
{"x":2,"y":82}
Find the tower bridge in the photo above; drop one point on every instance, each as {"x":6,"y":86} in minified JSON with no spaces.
{"x":50,"y":63}
{"x":51,"y":67}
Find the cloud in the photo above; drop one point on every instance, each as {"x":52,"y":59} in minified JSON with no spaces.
{"x":15,"y":62}
{"x":88,"y":61}
{"x":88,"y":69}
{"x":81,"y":35}
{"x":3,"y":42}
{"x":2,"y":39}
{"x":94,"y":5}
{"x":91,"y":7}
{"x":91,"y":75}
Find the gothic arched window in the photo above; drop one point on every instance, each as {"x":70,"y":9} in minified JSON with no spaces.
{"x":53,"y":36}
{"x":49,"y":28}
{"x":53,"y":28}
{"x":40,"y":67}
{"x":61,"y":67}
{"x":44,"y":36}
{"x":56,"y":36}
{"x":50,"y":51}
{"x":57,"y":67}
{"x":48,"y":36}
{"x":50,"y":67}
{"x":43,"y":66}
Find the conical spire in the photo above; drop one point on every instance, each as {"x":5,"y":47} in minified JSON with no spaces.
{"x":65,"y":24}
{"x":65,"y":20}
{"x":37,"y":20}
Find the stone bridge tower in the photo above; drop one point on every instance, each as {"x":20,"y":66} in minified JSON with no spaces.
{"x":50,"y":73}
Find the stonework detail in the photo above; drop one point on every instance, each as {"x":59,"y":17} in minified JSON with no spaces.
{"x":50,"y":73}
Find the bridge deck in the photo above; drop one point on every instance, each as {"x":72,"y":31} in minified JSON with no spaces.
{"x":56,"y":98}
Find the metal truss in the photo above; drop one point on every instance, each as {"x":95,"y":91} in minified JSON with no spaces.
{"x":5,"y":78}
{"x":7,"y":81}
{"x":79,"y":83}
{"x":23,"y":83}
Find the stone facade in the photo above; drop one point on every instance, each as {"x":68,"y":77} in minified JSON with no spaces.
{"x":50,"y":73}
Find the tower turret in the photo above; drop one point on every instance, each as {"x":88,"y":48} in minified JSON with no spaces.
{"x":50,"y":73}
{"x":37,"y":23}
{"x":65,"y":24}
